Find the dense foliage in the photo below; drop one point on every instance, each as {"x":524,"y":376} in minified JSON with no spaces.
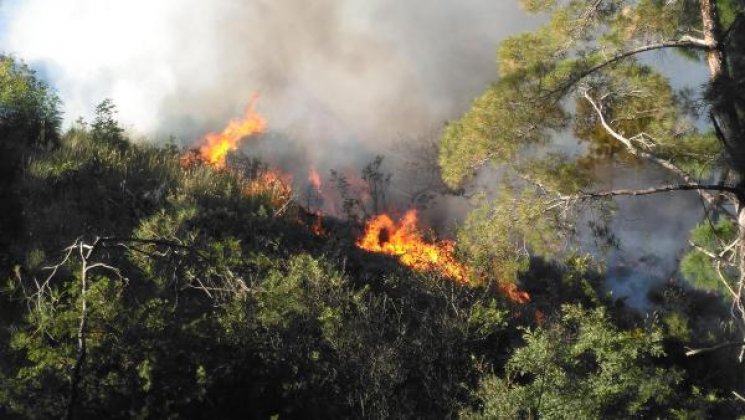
{"x":584,"y":93}
{"x":140,"y":286}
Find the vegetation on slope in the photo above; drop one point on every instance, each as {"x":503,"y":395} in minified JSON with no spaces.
{"x":140,"y":287}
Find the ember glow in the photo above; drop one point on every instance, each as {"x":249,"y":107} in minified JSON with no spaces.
{"x":404,"y":241}
{"x":516,"y":295}
{"x":275,"y":184}
{"x":215,"y":147}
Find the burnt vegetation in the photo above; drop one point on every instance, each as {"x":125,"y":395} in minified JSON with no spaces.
{"x":142,"y":282}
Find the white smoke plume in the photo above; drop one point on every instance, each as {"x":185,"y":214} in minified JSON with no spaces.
{"x":340,"y":72}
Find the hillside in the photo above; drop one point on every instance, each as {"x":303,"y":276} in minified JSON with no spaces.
{"x":143,"y":284}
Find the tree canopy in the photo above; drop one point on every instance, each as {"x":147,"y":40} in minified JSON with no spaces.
{"x":582,"y":91}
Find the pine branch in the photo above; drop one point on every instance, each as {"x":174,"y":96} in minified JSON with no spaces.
{"x":665,"y":163}
{"x":162,"y":242}
{"x":733,"y":26}
{"x":686,"y":41}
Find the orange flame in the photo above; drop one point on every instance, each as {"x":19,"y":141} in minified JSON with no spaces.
{"x":317,"y":226}
{"x":276,"y":185}
{"x":404,"y":241}
{"x":514,"y":294}
{"x":215,"y":147}
{"x":315,"y":179}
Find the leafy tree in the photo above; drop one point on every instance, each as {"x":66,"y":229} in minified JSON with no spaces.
{"x":580,"y":367}
{"x":583,"y":73}
{"x":29,"y":122}
{"x":105,"y":127}
{"x":150,"y":288}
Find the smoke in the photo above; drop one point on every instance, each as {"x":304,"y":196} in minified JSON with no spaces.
{"x":344,"y":73}
{"x":652,"y":232}
{"x":339,"y":80}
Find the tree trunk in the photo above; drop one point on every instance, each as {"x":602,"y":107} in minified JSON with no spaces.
{"x":712,"y":36}
{"x":729,"y":127}
{"x":724,"y":109}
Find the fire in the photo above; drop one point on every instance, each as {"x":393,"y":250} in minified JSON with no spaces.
{"x":315,"y":198}
{"x":382,"y":235}
{"x":404,"y":241}
{"x":277,"y":185}
{"x":315,"y":179}
{"x":514,"y":294}
{"x":215,"y":147}
{"x":317,"y":226}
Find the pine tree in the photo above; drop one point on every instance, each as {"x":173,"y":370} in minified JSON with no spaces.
{"x":584,"y":75}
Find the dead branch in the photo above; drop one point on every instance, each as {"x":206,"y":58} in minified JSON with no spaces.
{"x":85,"y":252}
{"x":664,"y":163}
{"x":695,"y":352}
{"x":738,"y":396}
{"x":653,"y":190}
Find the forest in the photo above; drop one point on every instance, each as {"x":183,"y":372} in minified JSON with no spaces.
{"x":143,"y":278}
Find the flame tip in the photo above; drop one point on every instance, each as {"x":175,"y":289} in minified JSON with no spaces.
{"x":214,"y":147}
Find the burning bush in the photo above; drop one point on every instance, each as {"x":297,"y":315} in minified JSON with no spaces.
{"x":272,"y":184}
{"x":404,"y":241}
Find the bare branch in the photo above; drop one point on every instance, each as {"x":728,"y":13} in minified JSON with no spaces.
{"x":632,"y":149}
{"x":654,"y":190}
{"x":737,"y":310}
{"x":696,"y":352}
{"x":85,"y":252}
{"x":738,"y":396}
{"x":719,"y":257}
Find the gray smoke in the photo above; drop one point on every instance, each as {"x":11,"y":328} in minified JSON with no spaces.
{"x":339,"y":80}
{"x":346,"y":73}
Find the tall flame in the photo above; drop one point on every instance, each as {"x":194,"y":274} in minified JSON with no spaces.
{"x":404,"y":241}
{"x":216,"y":146}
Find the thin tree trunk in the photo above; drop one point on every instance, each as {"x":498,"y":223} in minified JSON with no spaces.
{"x":82,"y":348}
{"x":712,"y":35}
{"x":729,"y":127}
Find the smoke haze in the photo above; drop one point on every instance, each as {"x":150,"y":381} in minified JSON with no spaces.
{"x":339,"y":80}
{"x":349,"y":73}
